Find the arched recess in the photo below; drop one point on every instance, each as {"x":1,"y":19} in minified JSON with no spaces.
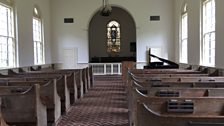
{"x":98,"y":36}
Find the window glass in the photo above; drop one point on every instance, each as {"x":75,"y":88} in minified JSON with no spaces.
{"x":184,"y":35}
{"x":37,"y":38}
{"x":113,"y":37}
{"x":7,"y":38}
{"x":208,"y":45}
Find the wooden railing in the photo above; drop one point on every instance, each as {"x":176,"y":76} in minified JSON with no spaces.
{"x":106,"y":68}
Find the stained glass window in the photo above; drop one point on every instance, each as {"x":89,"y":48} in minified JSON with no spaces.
{"x":113,"y":37}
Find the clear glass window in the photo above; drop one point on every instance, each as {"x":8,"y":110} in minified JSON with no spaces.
{"x":184,"y":35}
{"x":38,"y":39}
{"x":208,"y":45}
{"x":7,"y":38}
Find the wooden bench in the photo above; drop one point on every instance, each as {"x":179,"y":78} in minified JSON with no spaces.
{"x":24,"y":108}
{"x":85,"y":78}
{"x":61,"y":83}
{"x":178,"y":79}
{"x":183,"y":84}
{"x":85,"y":82}
{"x":184,"y":111}
{"x":29,"y":78}
{"x":164,"y":71}
{"x":170,"y":75}
{"x":91,"y":75}
{"x":48,"y":94}
{"x":88,"y":74}
{"x":61,"y":88}
{"x":175,"y":90}
{"x":172,"y":85}
{"x":76,"y":83}
{"x":182,"y":92}
{"x":2,"y":120}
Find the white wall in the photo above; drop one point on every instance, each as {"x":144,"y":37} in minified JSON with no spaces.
{"x":219,"y":34}
{"x":151,"y":34}
{"x":194,"y":31}
{"x":24,"y":15}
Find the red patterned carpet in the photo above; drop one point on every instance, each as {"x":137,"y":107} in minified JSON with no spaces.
{"x":104,"y":105}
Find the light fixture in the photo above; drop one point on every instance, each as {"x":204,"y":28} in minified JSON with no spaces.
{"x":105,"y":9}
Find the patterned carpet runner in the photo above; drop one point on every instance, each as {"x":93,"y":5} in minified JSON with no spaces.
{"x":105,"y":104}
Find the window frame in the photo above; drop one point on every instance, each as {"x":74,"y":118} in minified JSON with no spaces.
{"x":41,"y":51}
{"x":184,"y":13}
{"x":207,"y":59}
{"x":14,"y":61}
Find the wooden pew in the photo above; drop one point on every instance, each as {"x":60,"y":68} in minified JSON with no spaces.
{"x":172,"y":93}
{"x":190,"y":81}
{"x":21,"y":70}
{"x":87,"y":69}
{"x":170,"y":75}
{"x":164,"y":71}
{"x":172,"y":81}
{"x":69,"y":82}
{"x":181,"y":111}
{"x":62,"y":84}
{"x":48,"y":95}
{"x":75,"y":83}
{"x":91,"y":75}
{"x":35,"y":77}
{"x":84,"y":80}
{"x":24,"y":108}
{"x":76,"y":86}
{"x":80,"y":80}
{"x":182,"y":84}
{"x":2,"y":121}
{"x":35,"y":69}
{"x":178,"y":79}
{"x":182,"y":92}
{"x":87,"y":76}
{"x":82,"y":85}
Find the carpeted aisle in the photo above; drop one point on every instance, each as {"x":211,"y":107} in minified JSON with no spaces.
{"x":104,"y":105}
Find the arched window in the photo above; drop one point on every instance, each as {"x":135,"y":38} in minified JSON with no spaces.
{"x":208,"y":33}
{"x":38,"y":37}
{"x":184,"y":35}
{"x":7,"y":35}
{"x":113,"y":37}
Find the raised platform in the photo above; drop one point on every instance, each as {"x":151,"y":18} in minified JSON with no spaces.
{"x":111,"y":59}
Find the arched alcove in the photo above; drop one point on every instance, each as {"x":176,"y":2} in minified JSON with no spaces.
{"x":98,"y":38}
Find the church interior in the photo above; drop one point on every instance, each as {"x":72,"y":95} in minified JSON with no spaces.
{"x":111,"y":63}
